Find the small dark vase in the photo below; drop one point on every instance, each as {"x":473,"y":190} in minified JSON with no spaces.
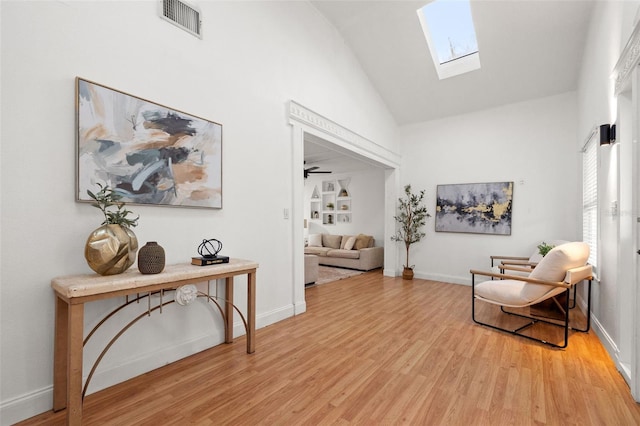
{"x":407,"y":274}
{"x":151,"y":258}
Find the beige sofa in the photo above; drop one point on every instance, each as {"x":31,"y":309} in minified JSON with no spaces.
{"x":346,"y":251}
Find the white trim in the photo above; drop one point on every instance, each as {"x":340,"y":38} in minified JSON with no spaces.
{"x":629,"y":59}
{"x":634,"y":294}
{"x":25,"y":406}
{"x":351,"y":140}
{"x":449,"y":279}
{"x":297,"y":220}
{"x":304,"y":120}
{"x":606,"y":340}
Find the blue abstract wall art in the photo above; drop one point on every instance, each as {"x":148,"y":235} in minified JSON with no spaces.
{"x":481,"y":208}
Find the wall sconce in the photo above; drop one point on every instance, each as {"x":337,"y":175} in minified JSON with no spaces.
{"x":607,"y":134}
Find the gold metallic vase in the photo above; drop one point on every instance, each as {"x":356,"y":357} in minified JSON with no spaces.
{"x":111,"y":249}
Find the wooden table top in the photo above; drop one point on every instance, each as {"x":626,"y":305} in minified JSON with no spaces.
{"x":92,"y":284}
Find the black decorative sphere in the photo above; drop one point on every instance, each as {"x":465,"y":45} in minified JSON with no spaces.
{"x":209,"y":248}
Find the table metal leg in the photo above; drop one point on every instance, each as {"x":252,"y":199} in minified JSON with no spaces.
{"x":74,"y":364}
{"x":251,"y":312}
{"x":228,"y":317}
{"x":60,"y":346}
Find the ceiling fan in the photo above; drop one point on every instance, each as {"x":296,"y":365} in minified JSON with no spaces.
{"x":313,"y":169}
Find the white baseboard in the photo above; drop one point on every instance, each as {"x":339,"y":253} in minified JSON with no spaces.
{"x":26,"y":406}
{"x":300,"y":307}
{"x":607,"y":341}
{"x":107,"y":377}
{"x":388,"y":272}
{"x":273,"y":317}
{"x":625,"y":370}
{"x":450,"y":279}
{"x":37,"y":402}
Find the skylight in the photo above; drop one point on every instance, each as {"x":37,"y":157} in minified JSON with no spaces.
{"x":451,"y":37}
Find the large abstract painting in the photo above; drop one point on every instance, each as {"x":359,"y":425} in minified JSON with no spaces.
{"x":481,"y":208}
{"x":149,"y":153}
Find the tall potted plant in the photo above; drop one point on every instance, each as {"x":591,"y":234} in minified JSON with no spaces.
{"x":412,"y":215}
{"x":111,"y":248}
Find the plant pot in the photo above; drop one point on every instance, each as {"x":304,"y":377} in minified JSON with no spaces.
{"x":111,"y":249}
{"x":407,"y":274}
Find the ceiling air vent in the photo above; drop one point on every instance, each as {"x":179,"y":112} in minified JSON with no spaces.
{"x":182,"y":15}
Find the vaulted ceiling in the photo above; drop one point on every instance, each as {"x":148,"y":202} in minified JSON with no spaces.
{"x":528,"y":49}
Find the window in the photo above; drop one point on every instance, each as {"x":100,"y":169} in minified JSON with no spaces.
{"x":451,"y":37}
{"x":590,"y":197}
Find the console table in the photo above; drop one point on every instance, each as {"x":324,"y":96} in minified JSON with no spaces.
{"x":72,"y":292}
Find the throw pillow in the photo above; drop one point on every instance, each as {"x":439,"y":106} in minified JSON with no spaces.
{"x":332,"y":241}
{"x":351,"y":241}
{"x":315,"y":240}
{"x":362,"y":241}
{"x":345,"y":238}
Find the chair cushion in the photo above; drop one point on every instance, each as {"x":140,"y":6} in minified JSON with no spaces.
{"x":536,"y":257}
{"x":514,"y":293}
{"x":504,"y":291}
{"x":554,"y":266}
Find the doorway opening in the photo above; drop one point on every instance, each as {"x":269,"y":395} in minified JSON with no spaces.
{"x":330,"y":138}
{"x":350,"y":185}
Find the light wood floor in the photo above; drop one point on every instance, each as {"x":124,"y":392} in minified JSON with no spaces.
{"x":376,"y":350}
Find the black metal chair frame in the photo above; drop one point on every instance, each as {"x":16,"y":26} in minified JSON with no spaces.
{"x":565,"y":321}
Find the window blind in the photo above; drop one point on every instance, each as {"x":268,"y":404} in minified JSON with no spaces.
{"x":590,"y":198}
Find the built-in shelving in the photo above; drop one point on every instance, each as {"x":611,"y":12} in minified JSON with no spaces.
{"x":332,"y":204}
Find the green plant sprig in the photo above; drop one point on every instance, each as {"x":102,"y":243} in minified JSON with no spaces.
{"x":544,"y":248}
{"x":107,"y":198}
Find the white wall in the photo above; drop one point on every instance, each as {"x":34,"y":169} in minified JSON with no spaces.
{"x":613,"y":305}
{"x":597,"y":106}
{"x":366,"y":189}
{"x":255,"y":56}
{"x":530,"y":143}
